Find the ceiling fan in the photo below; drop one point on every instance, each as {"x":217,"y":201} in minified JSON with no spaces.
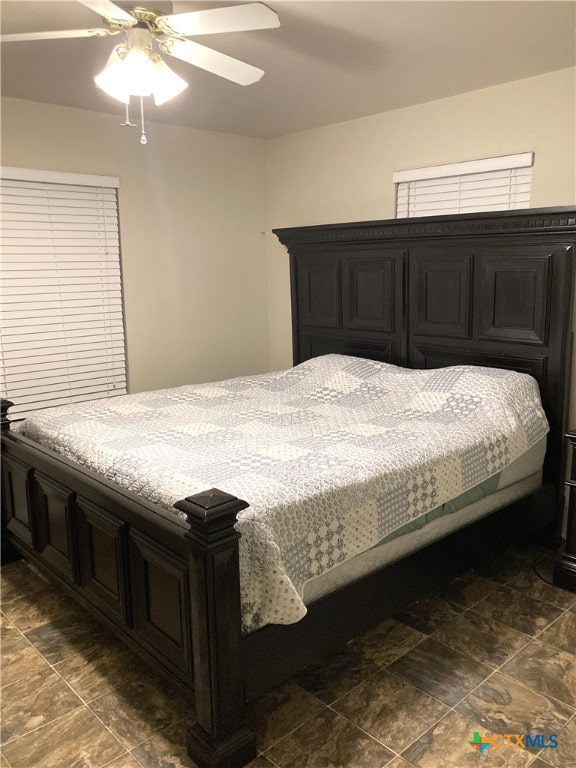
{"x":136,"y":69}
{"x":169,"y":32}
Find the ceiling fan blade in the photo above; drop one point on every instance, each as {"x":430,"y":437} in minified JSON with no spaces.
{"x":235,"y":18}
{"x":110,"y":11}
{"x":213,"y":61}
{"x":57,"y":34}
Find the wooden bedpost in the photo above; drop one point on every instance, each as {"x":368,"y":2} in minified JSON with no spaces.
{"x":219,"y":739}
{"x":8,"y":553}
{"x":565,"y":567}
{"x":5,"y":406}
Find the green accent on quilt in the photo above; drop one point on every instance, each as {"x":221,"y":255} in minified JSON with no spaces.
{"x":468,"y":497}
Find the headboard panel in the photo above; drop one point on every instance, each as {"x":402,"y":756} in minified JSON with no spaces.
{"x":492,"y":289}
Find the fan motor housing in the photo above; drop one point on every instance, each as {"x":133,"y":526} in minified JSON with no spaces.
{"x":145,"y":14}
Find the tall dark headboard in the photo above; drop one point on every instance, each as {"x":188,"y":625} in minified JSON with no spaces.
{"x":491,"y":289}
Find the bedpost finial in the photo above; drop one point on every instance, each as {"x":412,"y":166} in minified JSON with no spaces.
{"x":211,"y":515}
{"x":5,"y":405}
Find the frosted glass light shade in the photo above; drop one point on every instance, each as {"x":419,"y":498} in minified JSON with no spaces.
{"x":138,"y":71}
{"x":167,"y":84}
{"x":111,"y":80}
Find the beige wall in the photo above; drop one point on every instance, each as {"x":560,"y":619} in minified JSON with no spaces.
{"x":192,"y":213}
{"x":344,"y":172}
{"x":203,"y":300}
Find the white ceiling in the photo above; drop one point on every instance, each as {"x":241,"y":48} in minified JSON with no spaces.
{"x":328,"y":62}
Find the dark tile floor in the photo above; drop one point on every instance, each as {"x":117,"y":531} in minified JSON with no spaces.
{"x":494,"y":653}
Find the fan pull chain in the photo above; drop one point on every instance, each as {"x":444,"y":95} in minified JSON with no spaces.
{"x":127,"y":123}
{"x":143,"y":139}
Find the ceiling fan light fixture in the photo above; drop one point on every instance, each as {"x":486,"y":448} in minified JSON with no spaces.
{"x":134,"y":69}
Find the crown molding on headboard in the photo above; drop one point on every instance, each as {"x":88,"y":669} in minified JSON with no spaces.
{"x":560,"y":219}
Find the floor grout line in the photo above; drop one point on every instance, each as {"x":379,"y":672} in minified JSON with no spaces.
{"x":38,"y":728}
{"x":76,"y":693}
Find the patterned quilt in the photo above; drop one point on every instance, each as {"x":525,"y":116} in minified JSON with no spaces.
{"x":332,"y":455}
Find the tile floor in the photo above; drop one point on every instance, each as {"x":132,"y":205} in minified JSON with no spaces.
{"x":493,"y":653}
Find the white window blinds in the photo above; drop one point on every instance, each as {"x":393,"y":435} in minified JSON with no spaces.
{"x":61,"y":316}
{"x":492,"y":184}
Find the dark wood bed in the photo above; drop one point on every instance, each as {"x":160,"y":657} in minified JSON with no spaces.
{"x":483,"y":289}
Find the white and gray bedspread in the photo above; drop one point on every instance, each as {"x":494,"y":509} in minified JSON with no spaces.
{"x":332,"y":456}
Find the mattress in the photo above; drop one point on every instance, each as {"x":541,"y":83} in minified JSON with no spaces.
{"x":333,"y":456}
{"x":515,"y":482}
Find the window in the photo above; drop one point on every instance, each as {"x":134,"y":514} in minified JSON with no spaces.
{"x":61,"y":318}
{"x":492,"y":184}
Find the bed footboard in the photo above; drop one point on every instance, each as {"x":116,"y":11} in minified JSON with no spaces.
{"x":168,"y":587}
